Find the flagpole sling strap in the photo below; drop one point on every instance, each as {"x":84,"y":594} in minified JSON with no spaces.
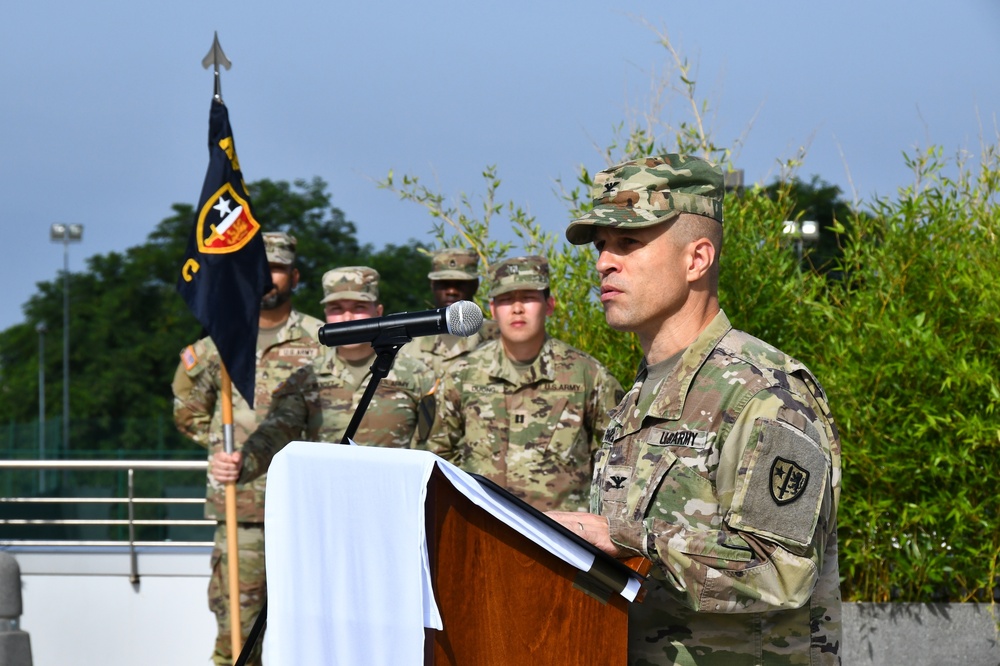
{"x":386,"y":345}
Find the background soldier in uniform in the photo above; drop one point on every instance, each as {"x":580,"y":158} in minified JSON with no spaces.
{"x":318,"y":402}
{"x":722,"y":464}
{"x":454,"y":277}
{"x":527,"y":411}
{"x":285,"y":342}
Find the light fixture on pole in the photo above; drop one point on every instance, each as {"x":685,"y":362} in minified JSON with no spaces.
{"x":66,"y":234}
{"x":801,"y":231}
{"x":41,"y":402}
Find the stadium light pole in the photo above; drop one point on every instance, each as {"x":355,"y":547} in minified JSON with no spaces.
{"x":733,"y":180}
{"x":66,"y":234}
{"x":41,"y":402}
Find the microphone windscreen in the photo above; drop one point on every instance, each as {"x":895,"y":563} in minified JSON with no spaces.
{"x":464,"y":318}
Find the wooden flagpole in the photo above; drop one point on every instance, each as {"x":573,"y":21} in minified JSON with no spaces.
{"x":232,"y":541}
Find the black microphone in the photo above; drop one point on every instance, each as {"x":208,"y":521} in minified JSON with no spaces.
{"x":462,"y":318}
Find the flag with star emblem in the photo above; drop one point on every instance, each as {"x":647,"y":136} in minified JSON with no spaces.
{"x":225,"y":270}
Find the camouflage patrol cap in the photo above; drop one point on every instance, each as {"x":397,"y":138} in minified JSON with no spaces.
{"x":519,"y":273}
{"x":350,"y":283}
{"x":455,"y":263}
{"x":279,"y":247}
{"x":648,"y":191}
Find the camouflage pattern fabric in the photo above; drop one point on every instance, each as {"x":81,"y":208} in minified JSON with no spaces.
{"x":279,"y":247}
{"x":194,"y":423}
{"x":519,"y":274}
{"x":438,"y":351}
{"x":351,"y":283}
{"x":253,"y":589}
{"x":728,"y":478}
{"x":198,"y":410}
{"x":454,"y":263}
{"x":318,"y":402}
{"x":198,"y":414}
{"x":532,"y":430}
{"x":641,"y":193}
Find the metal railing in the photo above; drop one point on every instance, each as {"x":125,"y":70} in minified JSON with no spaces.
{"x":129,"y":500}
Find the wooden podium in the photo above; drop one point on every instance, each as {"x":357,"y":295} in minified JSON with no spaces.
{"x":504,"y":600}
{"x":366,"y":547}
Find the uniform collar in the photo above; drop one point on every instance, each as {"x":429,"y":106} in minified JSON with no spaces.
{"x":292,"y":330}
{"x":667,"y":400}
{"x":447,"y":346}
{"x":541,"y":369}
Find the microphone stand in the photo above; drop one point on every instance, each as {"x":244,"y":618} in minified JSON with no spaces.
{"x":386,"y":345}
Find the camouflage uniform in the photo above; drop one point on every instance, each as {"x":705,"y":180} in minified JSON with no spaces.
{"x":533,"y":429}
{"x":726,"y":475}
{"x":198,"y":414}
{"x":317,"y":403}
{"x":642,"y":193}
{"x":438,"y":351}
{"x":728,"y":479}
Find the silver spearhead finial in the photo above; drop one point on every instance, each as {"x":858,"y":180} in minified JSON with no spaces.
{"x":215,"y":58}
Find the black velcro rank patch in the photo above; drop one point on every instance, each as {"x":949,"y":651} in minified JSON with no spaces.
{"x":614,"y":484}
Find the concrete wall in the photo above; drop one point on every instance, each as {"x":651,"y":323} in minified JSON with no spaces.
{"x":80,"y":608}
{"x":920,"y":635}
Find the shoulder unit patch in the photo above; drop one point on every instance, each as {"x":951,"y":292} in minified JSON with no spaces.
{"x":788,"y":481}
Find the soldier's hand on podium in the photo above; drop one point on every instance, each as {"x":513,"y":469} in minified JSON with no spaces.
{"x":226,"y":467}
{"x":590,"y":526}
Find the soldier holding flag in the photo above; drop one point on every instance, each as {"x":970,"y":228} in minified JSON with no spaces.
{"x":228,"y":269}
{"x":285,"y":342}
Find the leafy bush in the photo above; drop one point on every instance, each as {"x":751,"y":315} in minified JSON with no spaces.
{"x":897,"y":319}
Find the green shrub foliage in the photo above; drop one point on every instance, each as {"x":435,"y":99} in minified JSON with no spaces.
{"x":898,"y":319}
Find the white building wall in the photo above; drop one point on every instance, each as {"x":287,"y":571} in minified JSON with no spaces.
{"x":80,"y":608}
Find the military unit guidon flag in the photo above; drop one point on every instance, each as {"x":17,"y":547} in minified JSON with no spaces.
{"x":225,"y":270}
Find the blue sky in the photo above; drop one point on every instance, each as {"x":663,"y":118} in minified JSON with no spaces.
{"x":105,"y":104}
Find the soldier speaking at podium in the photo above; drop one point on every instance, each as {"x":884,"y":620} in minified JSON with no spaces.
{"x":722,"y":463}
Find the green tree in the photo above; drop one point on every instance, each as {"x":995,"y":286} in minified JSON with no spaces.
{"x":127,"y":324}
{"x":326,"y":240}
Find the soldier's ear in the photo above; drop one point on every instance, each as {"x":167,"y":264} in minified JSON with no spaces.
{"x":550,"y":306}
{"x":295,"y":278}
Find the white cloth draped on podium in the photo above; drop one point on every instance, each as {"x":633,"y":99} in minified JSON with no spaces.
{"x":348,"y":580}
